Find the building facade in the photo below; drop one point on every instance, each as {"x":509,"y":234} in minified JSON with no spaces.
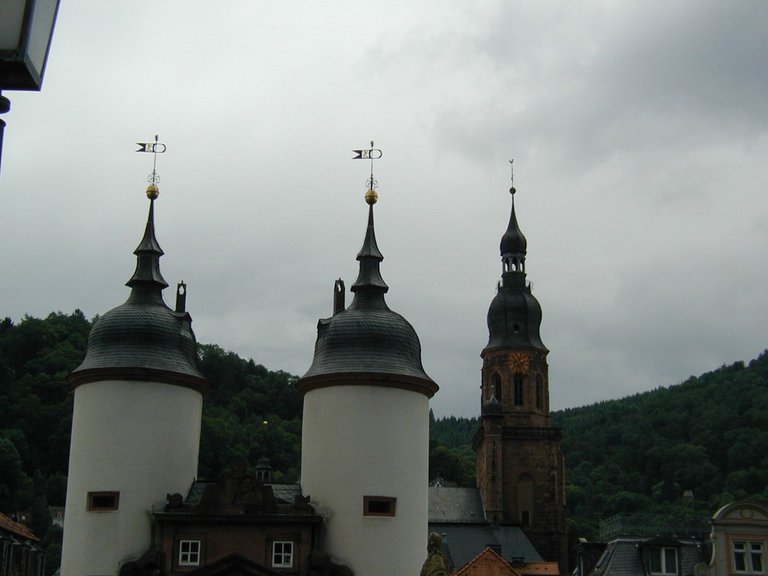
{"x":238,"y":518}
{"x":739,"y":540}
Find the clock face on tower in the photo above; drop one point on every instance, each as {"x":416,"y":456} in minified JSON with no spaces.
{"x":519,"y":362}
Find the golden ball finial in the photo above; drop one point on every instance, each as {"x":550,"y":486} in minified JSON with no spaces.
{"x":153,"y":191}
{"x":371,"y":196}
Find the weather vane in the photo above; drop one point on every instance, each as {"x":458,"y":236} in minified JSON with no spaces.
{"x":154,"y":148}
{"x":369,"y":154}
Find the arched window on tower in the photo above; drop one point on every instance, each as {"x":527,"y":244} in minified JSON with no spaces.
{"x":525,"y":500}
{"x":518,"y":389}
{"x":496,"y":386}
{"x":539,"y":391}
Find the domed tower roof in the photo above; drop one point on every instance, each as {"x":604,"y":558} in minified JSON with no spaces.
{"x":514,"y":316}
{"x":367,"y":342}
{"x":513,"y":242}
{"x":143,"y":339}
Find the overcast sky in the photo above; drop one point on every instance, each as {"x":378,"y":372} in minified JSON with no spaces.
{"x":639,"y":132}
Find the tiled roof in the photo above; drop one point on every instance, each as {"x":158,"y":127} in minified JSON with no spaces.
{"x":368,"y":337}
{"x":488,"y":563}
{"x":462,"y":542}
{"x":286,"y":492}
{"x":8,"y":525}
{"x":623,"y":557}
{"x":457,"y":514}
{"x":447,"y":504}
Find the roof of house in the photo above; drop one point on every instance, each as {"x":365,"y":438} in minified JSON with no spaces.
{"x":460,"y":505}
{"x":239,"y":495}
{"x":488,"y":563}
{"x":463,"y":542}
{"x":15,"y":528}
{"x":623,"y":556}
{"x":457,"y":515}
{"x":540,"y":569}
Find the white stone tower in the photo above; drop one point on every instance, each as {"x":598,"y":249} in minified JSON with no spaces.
{"x":136,"y":421}
{"x":365,"y":435}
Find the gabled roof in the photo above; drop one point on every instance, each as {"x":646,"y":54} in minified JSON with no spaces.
{"x":488,"y":563}
{"x":457,"y":515}
{"x":20,"y":530}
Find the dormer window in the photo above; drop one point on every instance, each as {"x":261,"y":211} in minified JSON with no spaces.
{"x":662,"y":561}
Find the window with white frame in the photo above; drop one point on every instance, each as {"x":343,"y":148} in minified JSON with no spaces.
{"x":663,"y":560}
{"x":282,"y":554}
{"x":748,"y":556}
{"x":189,"y":552}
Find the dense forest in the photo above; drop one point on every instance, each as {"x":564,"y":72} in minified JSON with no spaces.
{"x":677,"y":452}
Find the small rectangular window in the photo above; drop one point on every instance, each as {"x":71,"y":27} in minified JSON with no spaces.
{"x":282,"y":554}
{"x":379,"y":506}
{"x":663,"y":560}
{"x":103,"y":501}
{"x":189,"y":552}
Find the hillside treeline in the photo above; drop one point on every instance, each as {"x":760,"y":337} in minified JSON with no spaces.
{"x":680,"y":451}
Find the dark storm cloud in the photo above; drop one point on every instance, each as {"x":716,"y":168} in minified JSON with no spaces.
{"x":638,"y":132}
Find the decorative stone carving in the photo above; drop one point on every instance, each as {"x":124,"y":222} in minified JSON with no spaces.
{"x":435,"y":564}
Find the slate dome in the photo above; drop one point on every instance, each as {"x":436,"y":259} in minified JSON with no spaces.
{"x":367,"y":339}
{"x":143,"y":339}
{"x":514,"y":316}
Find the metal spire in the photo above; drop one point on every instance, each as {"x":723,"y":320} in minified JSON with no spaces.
{"x":369,"y":256}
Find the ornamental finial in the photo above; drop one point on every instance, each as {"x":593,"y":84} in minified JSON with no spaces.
{"x":154,"y":148}
{"x":371,"y":196}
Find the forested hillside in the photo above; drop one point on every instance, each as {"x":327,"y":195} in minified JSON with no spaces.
{"x":708,"y":435}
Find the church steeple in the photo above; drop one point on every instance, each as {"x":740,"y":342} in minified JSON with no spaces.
{"x":520,"y":470}
{"x":514,"y":316}
{"x":513,"y":243}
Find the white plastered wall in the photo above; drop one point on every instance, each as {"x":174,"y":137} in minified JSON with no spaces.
{"x":140,"y":439}
{"x":368,"y":441}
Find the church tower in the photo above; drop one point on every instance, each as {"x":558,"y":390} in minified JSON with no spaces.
{"x":365,"y":433}
{"x":136,"y":421}
{"x":520,"y":468}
